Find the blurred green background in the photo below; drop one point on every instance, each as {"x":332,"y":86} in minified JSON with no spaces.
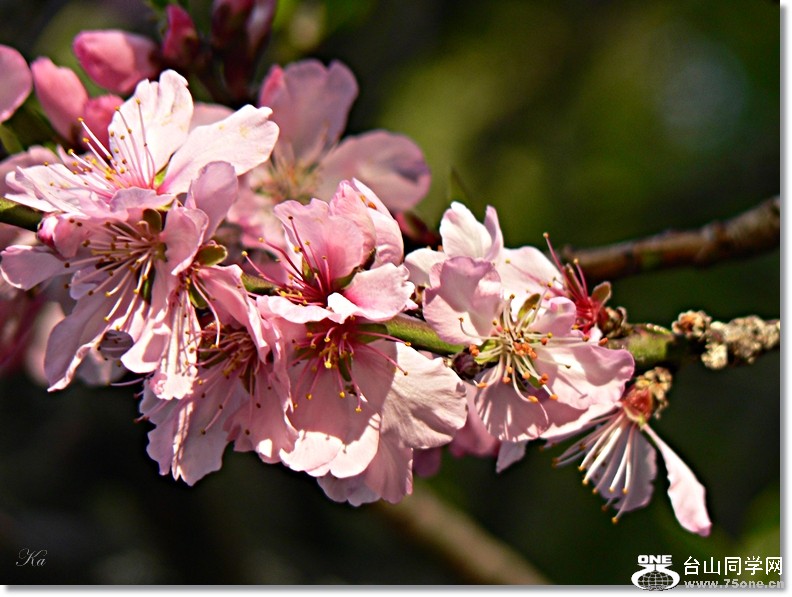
{"x":596,"y":121}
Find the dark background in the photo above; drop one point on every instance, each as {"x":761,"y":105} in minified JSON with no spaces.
{"x":596,"y":121}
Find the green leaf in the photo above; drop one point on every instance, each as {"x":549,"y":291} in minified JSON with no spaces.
{"x":9,"y":140}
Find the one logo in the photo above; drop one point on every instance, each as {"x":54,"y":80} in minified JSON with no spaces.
{"x":655,"y":574}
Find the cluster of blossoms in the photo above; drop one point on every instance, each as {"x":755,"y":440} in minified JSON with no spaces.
{"x":300,"y":351}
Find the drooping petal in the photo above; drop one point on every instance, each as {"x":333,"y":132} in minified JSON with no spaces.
{"x":507,"y":415}
{"x":426,"y":407}
{"x":245,"y":139}
{"x":189,"y":438}
{"x":213,"y":192}
{"x":463,"y":303}
{"x":509,"y":453}
{"x":17,"y":81}
{"x":62,"y":96}
{"x":388,"y":477}
{"x":182,"y":235}
{"x":688,"y":496}
{"x":116,"y":60}
{"x":393,"y":166}
{"x":310,"y":103}
{"x":24,"y":266}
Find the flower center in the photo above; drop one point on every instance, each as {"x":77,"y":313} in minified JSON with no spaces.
{"x":510,"y":348}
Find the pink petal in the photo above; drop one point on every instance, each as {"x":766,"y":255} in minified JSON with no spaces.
{"x":17,"y":81}
{"x":34,"y":156}
{"x":62,"y":96}
{"x":264,"y":429}
{"x":153,"y":124}
{"x":116,"y":60}
{"x":23,"y":266}
{"x":389,"y":240}
{"x":213,"y":192}
{"x":182,"y":235}
{"x":421,"y":262}
{"x":467,"y":289}
{"x":378,"y":294}
{"x":98,"y":113}
{"x":392,"y":165}
{"x":584,"y":373}
{"x":388,"y":477}
{"x":245,"y":140}
{"x":507,"y":415}
{"x":473,"y":438}
{"x":189,"y":439}
{"x":509,"y":453}
{"x":688,"y":496}
{"x":464,"y":236}
{"x":526,"y":271}
{"x":334,"y":243}
{"x":426,"y":407}
{"x":310,"y":103}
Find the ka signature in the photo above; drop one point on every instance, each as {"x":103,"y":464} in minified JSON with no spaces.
{"x":29,"y":557}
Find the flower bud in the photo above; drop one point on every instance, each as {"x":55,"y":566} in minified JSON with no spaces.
{"x":180,"y":44}
{"x":116,"y":60}
{"x":17,"y":81}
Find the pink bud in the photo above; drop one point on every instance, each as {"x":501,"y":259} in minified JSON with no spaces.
{"x":16,"y":81}
{"x":228,"y":20}
{"x":98,"y":113}
{"x":116,"y":60}
{"x":62,"y":96}
{"x":180,"y":43}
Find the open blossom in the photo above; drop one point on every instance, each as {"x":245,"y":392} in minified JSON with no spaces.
{"x":17,"y":81}
{"x":361,"y":401}
{"x":538,"y":368}
{"x":310,"y":104}
{"x":104,"y":228}
{"x":522,"y":271}
{"x":620,"y":462}
{"x":238,"y":396}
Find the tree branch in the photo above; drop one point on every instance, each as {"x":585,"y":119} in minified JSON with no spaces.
{"x":477,"y":556}
{"x":19,"y":215}
{"x":752,"y":232}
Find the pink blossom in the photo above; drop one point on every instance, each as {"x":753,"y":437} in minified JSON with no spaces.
{"x":116,"y":60}
{"x":17,"y":81}
{"x":523,"y":271}
{"x":239,"y":395}
{"x":620,"y":461}
{"x":350,"y":382}
{"x":149,"y":133}
{"x":538,"y":368}
{"x":104,"y":229}
{"x":310,"y":103}
{"x":65,"y":101}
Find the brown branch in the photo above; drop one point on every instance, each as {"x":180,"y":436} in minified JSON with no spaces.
{"x":476,"y":555}
{"x":755,"y":231}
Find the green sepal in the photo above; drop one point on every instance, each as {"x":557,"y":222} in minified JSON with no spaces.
{"x":211,"y":254}
{"x":148,"y":284}
{"x":154,"y":219}
{"x":196,"y":299}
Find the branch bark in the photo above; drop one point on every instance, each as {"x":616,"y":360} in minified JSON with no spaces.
{"x":755,"y":231}
{"x":476,"y":555}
